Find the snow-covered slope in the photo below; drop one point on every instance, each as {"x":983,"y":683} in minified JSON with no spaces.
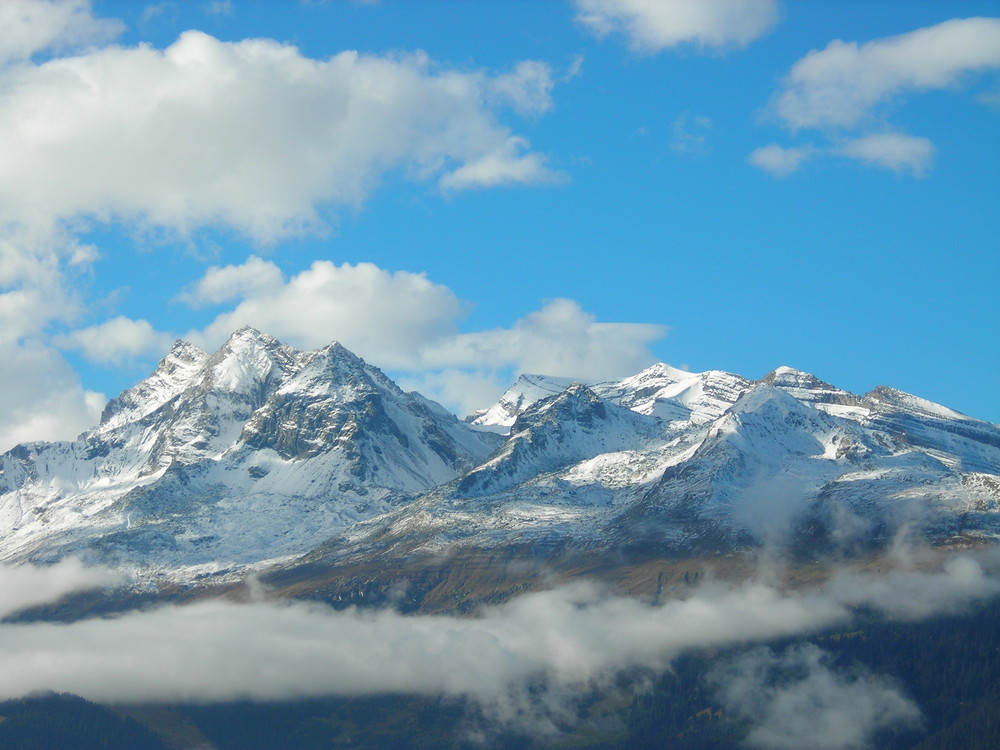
{"x":255,"y":452}
{"x":660,"y":390}
{"x":556,"y":432}
{"x":259,"y":453}
{"x":719,"y":461}
{"x":526,"y":390}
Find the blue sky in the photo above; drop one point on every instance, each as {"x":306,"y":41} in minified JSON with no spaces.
{"x":573,"y":187}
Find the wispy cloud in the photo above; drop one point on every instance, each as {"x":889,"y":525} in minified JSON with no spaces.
{"x":796,"y":699}
{"x":690,"y":134}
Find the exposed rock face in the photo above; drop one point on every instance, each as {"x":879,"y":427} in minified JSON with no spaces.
{"x":260,"y":453}
{"x":254,"y":452}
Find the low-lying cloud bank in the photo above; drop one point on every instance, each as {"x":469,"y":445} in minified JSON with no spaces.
{"x":572,"y":636}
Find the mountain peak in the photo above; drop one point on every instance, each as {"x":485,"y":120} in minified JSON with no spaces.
{"x":248,"y":335}
{"x":246,"y":331}
{"x":186,"y":350}
{"x":807,"y":387}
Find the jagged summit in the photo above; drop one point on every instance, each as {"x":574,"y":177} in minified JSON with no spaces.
{"x":301,"y":443}
{"x":258,"y":452}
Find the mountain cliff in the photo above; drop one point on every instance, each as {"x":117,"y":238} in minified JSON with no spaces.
{"x":259,"y":454}
{"x":255,"y":452}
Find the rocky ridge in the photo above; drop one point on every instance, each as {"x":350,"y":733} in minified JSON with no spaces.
{"x":259,"y":455}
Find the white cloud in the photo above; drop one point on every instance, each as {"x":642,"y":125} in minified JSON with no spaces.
{"x":250,"y":134}
{"x":846,"y":90}
{"x":462,"y":391}
{"x":116,"y":341}
{"x":908,"y":594}
{"x":841,"y":85}
{"x":780,"y":161}
{"x":217,"y":650}
{"x":567,"y":638}
{"x":654,"y":25}
{"x":560,"y":339}
{"x":795,"y":699}
{"x":26,"y":586}
{"x":505,"y":166}
{"x":385,"y":317}
{"x":42,"y":398}
{"x":896,"y":151}
{"x":528,"y":87}
{"x":31,"y":26}
{"x":228,"y":283}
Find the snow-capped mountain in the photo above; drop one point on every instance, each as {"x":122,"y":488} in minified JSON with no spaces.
{"x":662,"y":391}
{"x":259,"y":454}
{"x":712,"y":461}
{"x":255,"y":452}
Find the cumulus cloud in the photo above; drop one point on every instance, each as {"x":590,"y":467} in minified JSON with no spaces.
{"x":654,"y":25}
{"x":463,"y":391}
{"x":227,"y":283}
{"x":528,"y":88}
{"x":561,"y":339}
{"x":251,"y":134}
{"x":116,"y":341}
{"x":31,"y":26}
{"x":504,"y":166}
{"x":779,"y":160}
{"x":898,"y":152}
{"x":41,"y":398}
{"x":847,"y":89}
{"x":797,"y":699}
{"x":383,"y":316}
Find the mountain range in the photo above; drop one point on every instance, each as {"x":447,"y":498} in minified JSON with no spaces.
{"x":263,"y":457}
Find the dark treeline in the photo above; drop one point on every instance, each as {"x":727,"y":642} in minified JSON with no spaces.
{"x":66,"y":722}
{"x":950,"y":666}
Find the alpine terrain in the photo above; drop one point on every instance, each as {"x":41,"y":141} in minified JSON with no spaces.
{"x":262,"y":457}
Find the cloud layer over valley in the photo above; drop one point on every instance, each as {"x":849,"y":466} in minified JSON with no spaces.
{"x":569,"y":638}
